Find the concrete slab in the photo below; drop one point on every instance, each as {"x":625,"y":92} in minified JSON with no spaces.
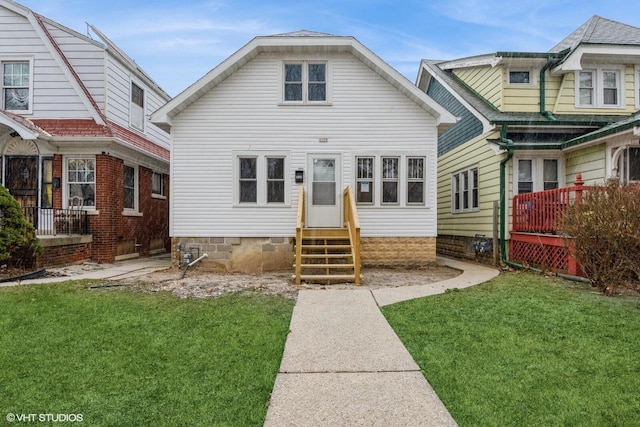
{"x":355,"y":399}
{"x":342,"y":331}
{"x":472,"y":274}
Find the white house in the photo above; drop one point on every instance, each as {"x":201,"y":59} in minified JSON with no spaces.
{"x":302,"y":109}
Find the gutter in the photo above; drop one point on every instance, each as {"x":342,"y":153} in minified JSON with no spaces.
{"x":548,"y":114}
{"x":508,"y":145}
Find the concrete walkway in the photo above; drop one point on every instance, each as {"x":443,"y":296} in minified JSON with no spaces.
{"x":116,"y":271}
{"x":344,"y":366}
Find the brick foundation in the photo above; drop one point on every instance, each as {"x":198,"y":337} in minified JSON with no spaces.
{"x":462,"y":247}
{"x":398,"y":251}
{"x":64,"y":251}
{"x":237,"y":254}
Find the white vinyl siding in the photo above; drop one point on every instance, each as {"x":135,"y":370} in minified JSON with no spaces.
{"x":244,"y":113}
{"x":53,"y":94}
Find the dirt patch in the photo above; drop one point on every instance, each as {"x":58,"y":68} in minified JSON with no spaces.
{"x":200,"y":284}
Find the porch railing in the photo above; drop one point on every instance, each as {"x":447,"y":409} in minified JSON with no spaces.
{"x":53,"y":222}
{"x":352,"y":222}
{"x":299,"y":229}
{"x":539,"y":212}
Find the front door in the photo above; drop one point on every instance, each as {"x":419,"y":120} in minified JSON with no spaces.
{"x":324,"y":201}
{"x":22,"y":179}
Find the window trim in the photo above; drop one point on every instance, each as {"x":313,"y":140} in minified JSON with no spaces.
{"x":637,"y":74}
{"x":423,"y":180}
{"x":154,"y":194}
{"x":598,"y":87}
{"x":65,"y":174}
{"x":537,"y":169}
{"x":136,"y":185}
{"x":457,"y":191}
{"x":140,"y":86}
{"x":261,"y":178}
{"x":372,"y":180}
{"x":305,"y":81}
{"x":13,"y":59}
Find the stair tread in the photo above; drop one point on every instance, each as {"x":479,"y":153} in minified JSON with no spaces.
{"x":327,"y":276}
{"x":326,"y":265}
{"x":343,"y":255}
{"x":326,"y":246}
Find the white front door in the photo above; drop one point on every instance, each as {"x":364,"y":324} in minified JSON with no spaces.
{"x":324,"y":200}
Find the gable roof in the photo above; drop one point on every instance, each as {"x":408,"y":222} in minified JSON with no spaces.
{"x":599,"y":30}
{"x":299,"y":41}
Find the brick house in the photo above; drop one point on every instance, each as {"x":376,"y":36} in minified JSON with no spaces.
{"x":76,"y":148}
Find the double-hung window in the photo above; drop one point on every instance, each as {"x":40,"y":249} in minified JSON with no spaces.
{"x":365,"y":180}
{"x":305,"y":82}
{"x":415,"y":180}
{"x":390,"y":180}
{"x":464,"y":190}
{"x":262,"y":179}
{"x":599,"y":88}
{"x":81,"y":180}
{"x":136,"y":115}
{"x":130,"y":187}
{"x":16,"y":86}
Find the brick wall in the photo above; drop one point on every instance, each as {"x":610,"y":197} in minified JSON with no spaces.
{"x":64,"y":255}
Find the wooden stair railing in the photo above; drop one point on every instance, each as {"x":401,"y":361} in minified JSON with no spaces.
{"x":328,"y":254}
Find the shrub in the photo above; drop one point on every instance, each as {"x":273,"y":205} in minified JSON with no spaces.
{"x":18,"y":242}
{"x":603,"y":231}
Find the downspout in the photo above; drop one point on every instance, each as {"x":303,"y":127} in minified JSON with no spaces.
{"x":543,"y":110}
{"x":503,"y":211}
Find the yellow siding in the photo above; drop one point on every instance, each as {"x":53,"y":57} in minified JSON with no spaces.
{"x":521,"y":98}
{"x":474,"y":152}
{"x":566,"y":103}
{"x":590,"y":162}
{"x":487,"y":81}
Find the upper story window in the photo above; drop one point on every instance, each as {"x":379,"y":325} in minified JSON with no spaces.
{"x":16,"y":86}
{"x":464,"y":190}
{"x":599,"y":88}
{"x":519,"y":77}
{"x":305,"y":82}
{"x":136,"y":109}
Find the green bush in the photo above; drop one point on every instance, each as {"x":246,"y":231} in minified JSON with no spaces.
{"x":18,"y":242}
{"x":603,"y":231}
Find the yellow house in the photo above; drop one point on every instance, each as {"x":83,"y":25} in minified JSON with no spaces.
{"x":529,"y":122}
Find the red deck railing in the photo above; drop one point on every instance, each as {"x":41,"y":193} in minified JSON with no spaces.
{"x":539,"y":212}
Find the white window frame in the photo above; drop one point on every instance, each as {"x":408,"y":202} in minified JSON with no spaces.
{"x":532,"y":80}
{"x":5,"y":60}
{"x":457,"y":193}
{"x":305,"y":82}
{"x":67,"y":183}
{"x":372,"y":186}
{"x":537,"y":169}
{"x":135,"y":109}
{"x":598,"y":87}
{"x":136,"y":185}
{"x":261,"y":178}
{"x":397,"y":180}
{"x":423,"y":180}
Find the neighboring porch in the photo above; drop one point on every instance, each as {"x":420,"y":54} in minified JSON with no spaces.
{"x":535,"y":239}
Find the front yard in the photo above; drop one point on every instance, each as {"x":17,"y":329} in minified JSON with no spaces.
{"x":523,"y":350}
{"x":132,"y":358}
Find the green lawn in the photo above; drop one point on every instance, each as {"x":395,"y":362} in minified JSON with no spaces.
{"x":523,"y":349}
{"x":129,"y":358}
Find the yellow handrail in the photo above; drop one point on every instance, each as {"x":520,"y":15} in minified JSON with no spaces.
{"x":299,"y":228}
{"x":353,"y":225}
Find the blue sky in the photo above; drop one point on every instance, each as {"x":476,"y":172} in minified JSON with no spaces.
{"x":178,"y":41}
